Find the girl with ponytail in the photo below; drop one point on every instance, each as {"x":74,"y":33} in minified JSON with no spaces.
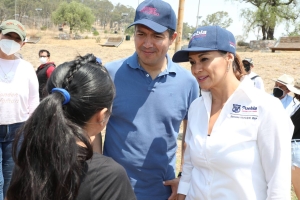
{"x":55,"y":159}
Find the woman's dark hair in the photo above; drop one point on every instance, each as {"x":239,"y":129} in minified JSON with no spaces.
{"x":49,"y":162}
{"x":296,"y":96}
{"x":237,"y":65}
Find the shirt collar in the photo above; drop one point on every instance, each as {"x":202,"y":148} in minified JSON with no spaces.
{"x":246,"y":87}
{"x":284,"y":98}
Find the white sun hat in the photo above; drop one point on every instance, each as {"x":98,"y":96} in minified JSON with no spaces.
{"x":285,"y":80}
{"x":295,"y":88}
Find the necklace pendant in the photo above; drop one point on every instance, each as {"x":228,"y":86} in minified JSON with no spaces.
{"x":5,"y":76}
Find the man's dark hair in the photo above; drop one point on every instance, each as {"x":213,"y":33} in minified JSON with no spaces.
{"x":237,"y":65}
{"x":171,"y":32}
{"x":44,"y":50}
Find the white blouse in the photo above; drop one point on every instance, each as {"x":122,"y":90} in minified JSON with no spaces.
{"x":19,"y":91}
{"x":248,"y":153}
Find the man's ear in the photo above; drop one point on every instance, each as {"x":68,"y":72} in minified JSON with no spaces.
{"x":173,"y":37}
{"x":230,"y":57}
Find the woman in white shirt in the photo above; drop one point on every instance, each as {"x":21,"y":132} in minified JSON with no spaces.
{"x":19,"y":94}
{"x":238,"y":137}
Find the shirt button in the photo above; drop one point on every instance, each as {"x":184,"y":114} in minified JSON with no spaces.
{"x":147,"y":75}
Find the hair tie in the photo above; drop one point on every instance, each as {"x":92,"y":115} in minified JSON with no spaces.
{"x":64,"y":92}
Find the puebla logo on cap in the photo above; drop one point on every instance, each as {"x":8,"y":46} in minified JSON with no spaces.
{"x":199,"y":34}
{"x":232,"y":44}
{"x":13,"y":24}
{"x":150,"y":11}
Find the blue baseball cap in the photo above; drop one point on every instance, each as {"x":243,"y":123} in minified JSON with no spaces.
{"x":207,"y":38}
{"x":155,"y":14}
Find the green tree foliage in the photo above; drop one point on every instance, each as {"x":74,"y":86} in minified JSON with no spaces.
{"x":102,"y":10}
{"x":240,"y":38}
{"x":4,"y":10}
{"x":18,"y":9}
{"x":76,"y":15}
{"x":220,"y":18}
{"x":28,"y":12}
{"x":187,"y":30}
{"x":43,"y":13}
{"x":123,"y":16}
{"x":7,"y":9}
{"x":39,"y":12}
{"x":295,"y":28}
{"x":268,"y":14}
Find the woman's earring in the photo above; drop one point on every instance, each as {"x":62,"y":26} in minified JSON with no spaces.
{"x":228,"y":68}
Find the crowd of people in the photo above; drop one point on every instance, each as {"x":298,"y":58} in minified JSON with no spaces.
{"x":239,"y":142}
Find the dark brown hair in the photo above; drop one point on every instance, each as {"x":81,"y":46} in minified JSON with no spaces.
{"x":237,"y":65}
{"x":297,"y":96}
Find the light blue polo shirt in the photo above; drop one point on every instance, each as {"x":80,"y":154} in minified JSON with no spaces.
{"x":142,"y":131}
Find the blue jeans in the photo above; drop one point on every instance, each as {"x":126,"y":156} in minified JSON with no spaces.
{"x":7,"y":136}
{"x":296,"y":153}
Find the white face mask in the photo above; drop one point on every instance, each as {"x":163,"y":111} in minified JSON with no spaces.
{"x":9,"y":47}
{"x":43,"y":60}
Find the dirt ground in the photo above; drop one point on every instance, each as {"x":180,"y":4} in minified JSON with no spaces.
{"x":268,"y":65}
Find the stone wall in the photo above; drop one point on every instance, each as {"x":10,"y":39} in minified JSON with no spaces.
{"x":261,"y":44}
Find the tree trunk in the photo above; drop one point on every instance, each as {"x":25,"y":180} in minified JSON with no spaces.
{"x":270,"y":33}
{"x":263,"y":30}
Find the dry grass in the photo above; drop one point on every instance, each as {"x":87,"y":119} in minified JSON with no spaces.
{"x":267,"y":65}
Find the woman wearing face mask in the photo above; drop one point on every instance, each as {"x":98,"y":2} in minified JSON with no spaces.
{"x":238,"y":137}
{"x":281,"y":90}
{"x":44,"y":71}
{"x":18,"y":94}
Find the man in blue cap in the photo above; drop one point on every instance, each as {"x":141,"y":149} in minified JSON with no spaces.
{"x":153,"y":95}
